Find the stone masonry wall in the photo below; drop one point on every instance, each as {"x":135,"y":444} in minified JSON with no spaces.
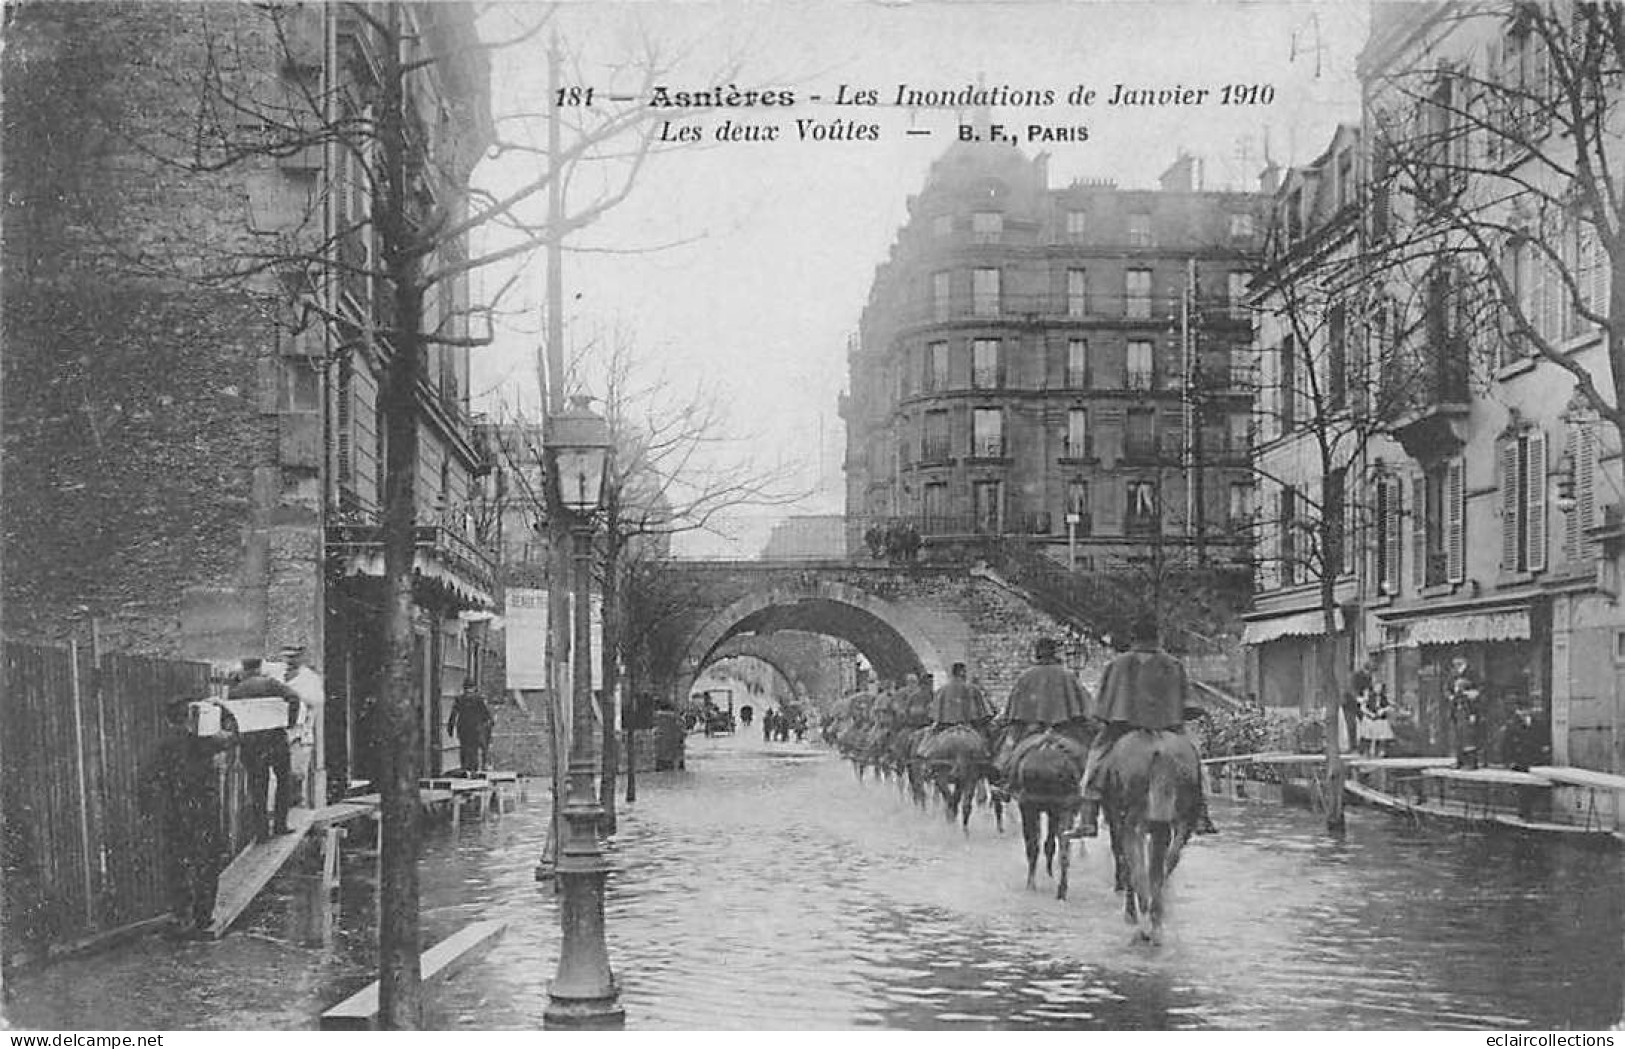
{"x":141,"y":474}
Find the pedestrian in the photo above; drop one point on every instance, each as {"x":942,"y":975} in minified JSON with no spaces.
{"x":1525,"y":739}
{"x":264,"y":752}
{"x":1046,"y":695}
{"x":1376,"y":724}
{"x":303,"y":737}
{"x":1466,"y":710}
{"x":1143,"y":688}
{"x":1354,"y":703}
{"x":747,"y":714}
{"x":187,"y":781}
{"x":471,"y":722}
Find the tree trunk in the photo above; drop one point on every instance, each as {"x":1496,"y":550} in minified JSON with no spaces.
{"x":1331,"y":692}
{"x":400,"y":1001}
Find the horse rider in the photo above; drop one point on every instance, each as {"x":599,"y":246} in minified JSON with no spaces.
{"x":1046,"y":695}
{"x":959,"y":702}
{"x":1143,"y":688}
{"x":915,"y":708}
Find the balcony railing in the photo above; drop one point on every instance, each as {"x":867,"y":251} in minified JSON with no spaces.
{"x":936,"y":451}
{"x":987,"y":448}
{"x":1078,"y":447}
{"x":439,"y":553}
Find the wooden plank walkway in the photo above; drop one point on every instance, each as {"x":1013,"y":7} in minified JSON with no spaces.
{"x":359,"y":1012}
{"x":248,"y":875}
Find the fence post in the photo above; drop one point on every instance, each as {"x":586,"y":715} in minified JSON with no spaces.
{"x":84,"y":794}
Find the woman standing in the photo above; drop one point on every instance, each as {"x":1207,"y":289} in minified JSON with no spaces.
{"x":1376,"y":722}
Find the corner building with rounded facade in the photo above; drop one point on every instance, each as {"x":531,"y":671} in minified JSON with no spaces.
{"x":1067,"y":367}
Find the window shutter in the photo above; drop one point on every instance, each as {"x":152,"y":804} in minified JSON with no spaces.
{"x":1269,"y":567}
{"x":1536,"y":484}
{"x":1511,"y":508}
{"x":1391,"y":534}
{"x":1584,"y":514}
{"x":1419,"y":531}
{"x":1600,"y":274}
{"x":1455,"y":520}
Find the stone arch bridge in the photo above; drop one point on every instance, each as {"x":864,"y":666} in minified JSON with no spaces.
{"x":903,"y":619}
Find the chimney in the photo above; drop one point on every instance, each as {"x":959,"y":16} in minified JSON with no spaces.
{"x":1183,"y":175}
{"x":1269,"y":180}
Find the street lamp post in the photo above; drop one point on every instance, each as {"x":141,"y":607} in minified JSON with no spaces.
{"x":583,"y":992}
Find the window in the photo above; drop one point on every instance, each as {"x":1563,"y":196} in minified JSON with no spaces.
{"x":1137,"y":294}
{"x":1077,"y":364}
{"x":1345,"y":178}
{"x":1140,"y":515}
{"x":1237,"y":293}
{"x":1077,"y":508}
{"x":1077,"y":293}
{"x":1287,"y":534}
{"x":986,"y":365}
{"x":987,"y":433}
{"x":1239,"y":509}
{"x":1139,"y":434}
{"x":1241,"y":225}
{"x":935,"y":508}
{"x":936,"y":366}
{"x":1443,"y":145}
{"x":1337,"y":363}
{"x":1289,"y":384}
{"x":1078,"y":444}
{"x":301,"y":386}
{"x":1438,"y":520}
{"x":934,"y":447}
{"x":942,"y":226}
{"x":987,"y":498}
{"x":941,"y":286}
{"x":986,"y":226}
{"x":1388,"y":523}
{"x":1141,"y":369}
{"x":1139,"y":229}
{"x":1333,"y":508}
{"x":1582,"y":463}
{"x":1523,"y":502}
{"x":1076,"y":224}
{"x":1240,"y":437}
{"x":985,"y":293}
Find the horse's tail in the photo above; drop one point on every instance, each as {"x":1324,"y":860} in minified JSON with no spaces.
{"x":1162,"y":788}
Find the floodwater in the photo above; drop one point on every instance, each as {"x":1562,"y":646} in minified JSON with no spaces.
{"x":766,"y":888}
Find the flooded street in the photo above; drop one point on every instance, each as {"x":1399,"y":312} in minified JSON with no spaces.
{"x":765,"y":887}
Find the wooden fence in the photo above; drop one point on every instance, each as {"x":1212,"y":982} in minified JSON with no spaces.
{"x":85,"y":847}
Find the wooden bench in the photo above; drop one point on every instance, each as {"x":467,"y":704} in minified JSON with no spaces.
{"x":359,"y":1012}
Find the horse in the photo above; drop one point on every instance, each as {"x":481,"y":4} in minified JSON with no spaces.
{"x":1150,"y":795}
{"x":1045,"y":773}
{"x":956,"y":758}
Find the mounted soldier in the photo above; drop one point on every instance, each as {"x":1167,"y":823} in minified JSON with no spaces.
{"x":1144,"y":688}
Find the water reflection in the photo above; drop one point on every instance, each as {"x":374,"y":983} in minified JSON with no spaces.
{"x":767,"y":888}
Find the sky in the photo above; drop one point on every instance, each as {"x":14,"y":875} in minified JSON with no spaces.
{"x":744,"y":266}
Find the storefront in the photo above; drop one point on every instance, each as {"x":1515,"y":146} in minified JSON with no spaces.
{"x":1283,"y":662}
{"x":1507,"y":648}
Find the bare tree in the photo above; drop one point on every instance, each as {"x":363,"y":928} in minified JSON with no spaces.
{"x":379,"y":251}
{"x":678,"y":467}
{"x":1497,"y":178}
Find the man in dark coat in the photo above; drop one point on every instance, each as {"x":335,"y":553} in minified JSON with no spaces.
{"x":266,"y":751}
{"x":1144,"y":688}
{"x":959,"y":702}
{"x":188,"y":780}
{"x":471,"y":723}
{"x":1046,"y":695}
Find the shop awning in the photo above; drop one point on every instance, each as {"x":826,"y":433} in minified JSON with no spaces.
{"x":1297,"y":624}
{"x":443,"y":560}
{"x":1461,"y":629}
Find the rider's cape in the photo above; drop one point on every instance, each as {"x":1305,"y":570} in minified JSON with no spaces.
{"x":1047,"y":694}
{"x":959,"y":702}
{"x":1146,"y":688}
